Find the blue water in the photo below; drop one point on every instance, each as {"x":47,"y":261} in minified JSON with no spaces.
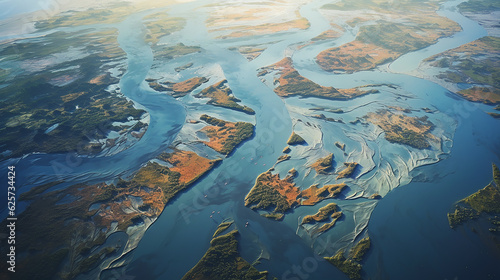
{"x":10,"y":8}
{"x":409,"y":230}
{"x":410,"y":233}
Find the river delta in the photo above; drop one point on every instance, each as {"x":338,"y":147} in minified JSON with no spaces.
{"x":255,"y":140}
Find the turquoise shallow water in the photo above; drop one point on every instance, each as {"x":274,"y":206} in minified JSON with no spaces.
{"x":409,"y":230}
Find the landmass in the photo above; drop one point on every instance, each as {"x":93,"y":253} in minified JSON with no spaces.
{"x":323,"y":165}
{"x":403,"y":129}
{"x":476,"y":64}
{"x":221,"y":95}
{"x":250,"y":52}
{"x":273,"y":194}
{"x":161,"y":24}
{"x":179,"y":89}
{"x":329,"y":212}
{"x":225,"y":136}
{"x":276,"y":196}
{"x":291,"y":83}
{"x":78,"y":219}
{"x":348,"y":170}
{"x":223,"y":260}
{"x":483,"y":202}
{"x":167,"y":52}
{"x":351,"y":265}
{"x":233,"y":20}
{"x":340,"y":145}
{"x":406,"y":27}
{"x":313,"y":194}
{"x":295,"y":139}
{"x":45,"y":109}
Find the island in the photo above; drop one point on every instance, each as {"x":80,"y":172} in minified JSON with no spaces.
{"x":274,"y":197}
{"x":179,"y":89}
{"x":348,"y":170}
{"x":328,"y":213}
{"x":351,"y":266}
{"x":323,"y":165}
{"x":273,"y":194}
{"x":221,"y":95}
{"x":294,"y":139}
{"x":225,"y":136}
{"x":291,"y":83}
{"x":403,"y":129}
{"x":313,"y":194}
{"x":223,"y":260}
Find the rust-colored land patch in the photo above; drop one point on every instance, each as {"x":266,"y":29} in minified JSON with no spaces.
{"x":291,"y":83}
{"x":403,"y":129}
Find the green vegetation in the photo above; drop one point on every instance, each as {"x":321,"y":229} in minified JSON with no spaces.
{"x":222,"y":227}
{"x":226,"y":136}
{"x":323,"y":213}
{"x":287,"y":150}
{"x":358,"y":252}
{"x":407,"y":137}
{"x":348,"y":171}
{"x":265,"y":197}
{"x":213,"y":121}
{"x":461,"y":215}
{"x":274,"y":216}
{"x":74,"y":104}
{"x":485,"y":201}
{"x":221,"y":95}
{"x":295,"y":139}
{"x":351,"y":266}
{"x":476,"y":63}
{"x":223,"y":261}
{"x":403,"y":129}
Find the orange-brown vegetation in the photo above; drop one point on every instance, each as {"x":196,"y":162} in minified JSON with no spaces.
{"x":386,"y":41}
{"x":313,"y":194}
{"x":355,"y":56}
{"x":225,"y":136}
{"x":291,"y":83}
{"x":188,"y":164}
{"x":403,"y":129}
{"x":272,"y":193}
{"x":348,"y":170}
{"x":248,"y":22}
{"x":79,"y":217}
{"x":329,"y":34}
{"x":221,"y":95}
{"x":323,"y":165}
{"x":481,"y":94}
{"x":187,"y":86}
{"x":328,"y":212}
